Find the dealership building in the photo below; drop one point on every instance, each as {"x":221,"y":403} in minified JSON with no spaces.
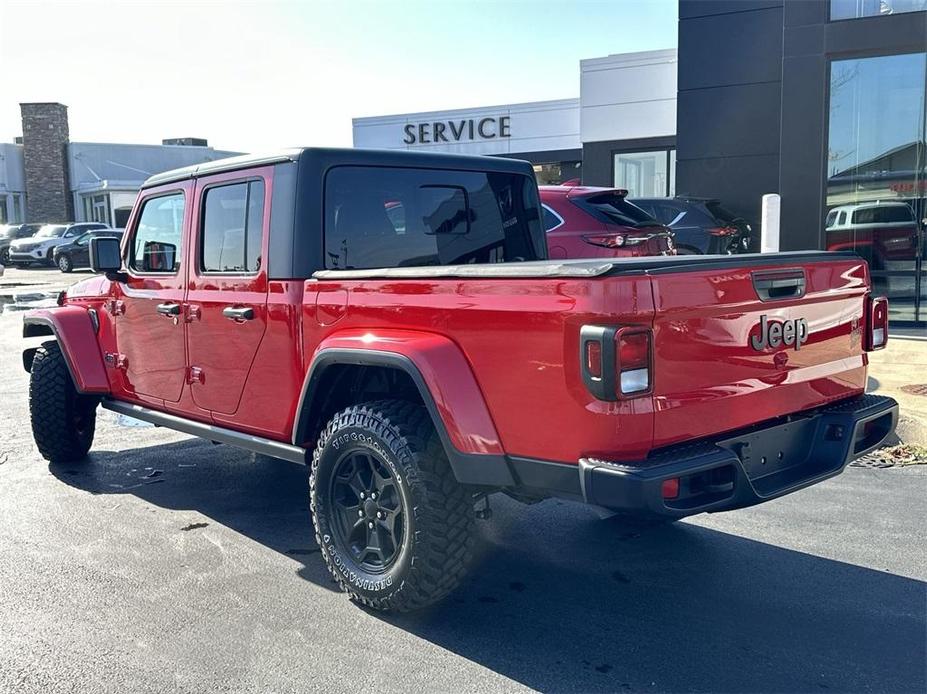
{"x":44,"y":177}
{"x":821,"y":101}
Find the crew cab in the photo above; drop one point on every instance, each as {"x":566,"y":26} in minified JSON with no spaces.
{"x":391,"y":320}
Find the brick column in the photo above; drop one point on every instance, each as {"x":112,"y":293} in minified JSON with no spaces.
{"x":45,"y":150}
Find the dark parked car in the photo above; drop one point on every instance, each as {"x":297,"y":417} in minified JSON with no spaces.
{"x":75,"y":254}
{"x":701,"y":225}
{"x":589,"y":222}
{"x":11,"y":232}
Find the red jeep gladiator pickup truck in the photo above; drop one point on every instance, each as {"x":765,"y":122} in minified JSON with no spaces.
{"x":391,"y":319}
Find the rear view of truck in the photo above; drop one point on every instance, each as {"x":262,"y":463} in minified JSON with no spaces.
{"x":761,"y":362}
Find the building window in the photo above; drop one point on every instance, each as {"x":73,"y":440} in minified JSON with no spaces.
{"x":853,"y":9}
{"x":96,"y":208}
{"x":877,"y":171}
{"x":646,"y":174}
{"x":17,"y":209}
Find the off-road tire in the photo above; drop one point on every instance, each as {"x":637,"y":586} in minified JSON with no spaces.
{"x":63,"y":420}
{"x":438,"y":536}
{"x":64,"y":263}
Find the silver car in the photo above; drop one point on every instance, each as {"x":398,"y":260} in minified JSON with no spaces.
{"x":40,"y":248}
{"x":11,"y":232}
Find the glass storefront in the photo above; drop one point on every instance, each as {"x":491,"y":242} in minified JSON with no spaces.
{"x":646,"y":174}
{"x":877,"y":173}
{"x":854,"y":9}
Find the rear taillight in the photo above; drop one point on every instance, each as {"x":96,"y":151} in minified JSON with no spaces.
{"x":633,"y":361}
{"x":616,"y":363}
{"x":614,"y":240}
{"x":877,"y":323}
{"x":606,"y":240}
{"x":594,"y":358}
{"x":722,"y":231}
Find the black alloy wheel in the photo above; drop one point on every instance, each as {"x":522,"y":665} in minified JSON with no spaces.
{"x":369,"y":519}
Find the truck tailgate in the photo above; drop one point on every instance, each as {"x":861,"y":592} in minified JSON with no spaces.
{"x":739,"y":344}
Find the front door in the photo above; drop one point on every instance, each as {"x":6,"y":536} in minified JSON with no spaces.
{"x":227,"y":291}
{"x":148,"y":306}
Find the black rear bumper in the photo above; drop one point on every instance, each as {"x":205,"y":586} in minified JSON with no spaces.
{"x":745,"y":469}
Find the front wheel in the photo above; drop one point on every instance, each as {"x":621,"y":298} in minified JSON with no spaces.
{"x":64,"y":263}
{"x":5,"y":256}
{"x":394,"y":526}
{"x":63,"y":420}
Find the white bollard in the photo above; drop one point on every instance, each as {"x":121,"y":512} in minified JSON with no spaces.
{"x":769,"y":224}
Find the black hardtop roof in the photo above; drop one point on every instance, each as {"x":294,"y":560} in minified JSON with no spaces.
{"x":325,"y":157}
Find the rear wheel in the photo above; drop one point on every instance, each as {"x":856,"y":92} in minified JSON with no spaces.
{"x":63,"y":420}
{"x":394,"y":526}
{"x":5,"y":256}
{"x":64,"y":263}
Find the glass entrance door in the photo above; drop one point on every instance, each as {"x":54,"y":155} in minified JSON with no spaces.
{"x":877,"y":174}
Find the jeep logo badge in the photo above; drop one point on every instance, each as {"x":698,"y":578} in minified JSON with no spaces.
{"x":772,"y":334}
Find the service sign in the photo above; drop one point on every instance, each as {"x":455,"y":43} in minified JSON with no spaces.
{"x":463,"y":130}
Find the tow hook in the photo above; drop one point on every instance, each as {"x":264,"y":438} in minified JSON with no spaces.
{"x":743,"y":451}
{"x":481,"y":507}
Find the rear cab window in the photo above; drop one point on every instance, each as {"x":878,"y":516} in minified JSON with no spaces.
{"x":381,"y":217}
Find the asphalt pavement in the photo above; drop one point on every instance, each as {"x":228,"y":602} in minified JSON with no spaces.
{"x":166,"y":563}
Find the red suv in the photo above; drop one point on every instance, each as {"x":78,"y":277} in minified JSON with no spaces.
{"x":587,"y":222}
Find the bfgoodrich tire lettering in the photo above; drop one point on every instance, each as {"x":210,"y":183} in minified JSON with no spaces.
{"x":434,"y":545}
{"x":63,"y":420}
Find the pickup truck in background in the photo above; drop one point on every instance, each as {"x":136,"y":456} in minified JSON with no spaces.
{"x":391,"y":319}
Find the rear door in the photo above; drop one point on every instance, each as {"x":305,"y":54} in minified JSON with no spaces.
{"x":227,"y":294}
{"x":748,"y":340}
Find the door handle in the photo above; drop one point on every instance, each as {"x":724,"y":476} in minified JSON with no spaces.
{"x":238,"y":313}
{"x":169,"y":309}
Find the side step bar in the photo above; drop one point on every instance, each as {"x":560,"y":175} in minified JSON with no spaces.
{"x":258,"y":444}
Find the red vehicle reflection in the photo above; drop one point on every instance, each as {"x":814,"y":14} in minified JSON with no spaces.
{"x":589,"y":222}
{"x":878,"y":231}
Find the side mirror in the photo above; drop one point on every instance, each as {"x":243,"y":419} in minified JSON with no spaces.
{"x":105,"y":256}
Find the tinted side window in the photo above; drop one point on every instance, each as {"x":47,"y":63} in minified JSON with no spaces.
{"x":379,"y":217}
{"x":158,"y":242}
{"x":843,"y":218}
{"x":883,"y":215}
{"x":232,"y":228}
{"x":551,"y":220}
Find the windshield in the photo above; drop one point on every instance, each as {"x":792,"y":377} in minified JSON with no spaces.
{"x":50,"y":231}
{"x":615,"y":209}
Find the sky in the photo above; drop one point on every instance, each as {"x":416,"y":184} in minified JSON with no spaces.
{"x":263,"y":75}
